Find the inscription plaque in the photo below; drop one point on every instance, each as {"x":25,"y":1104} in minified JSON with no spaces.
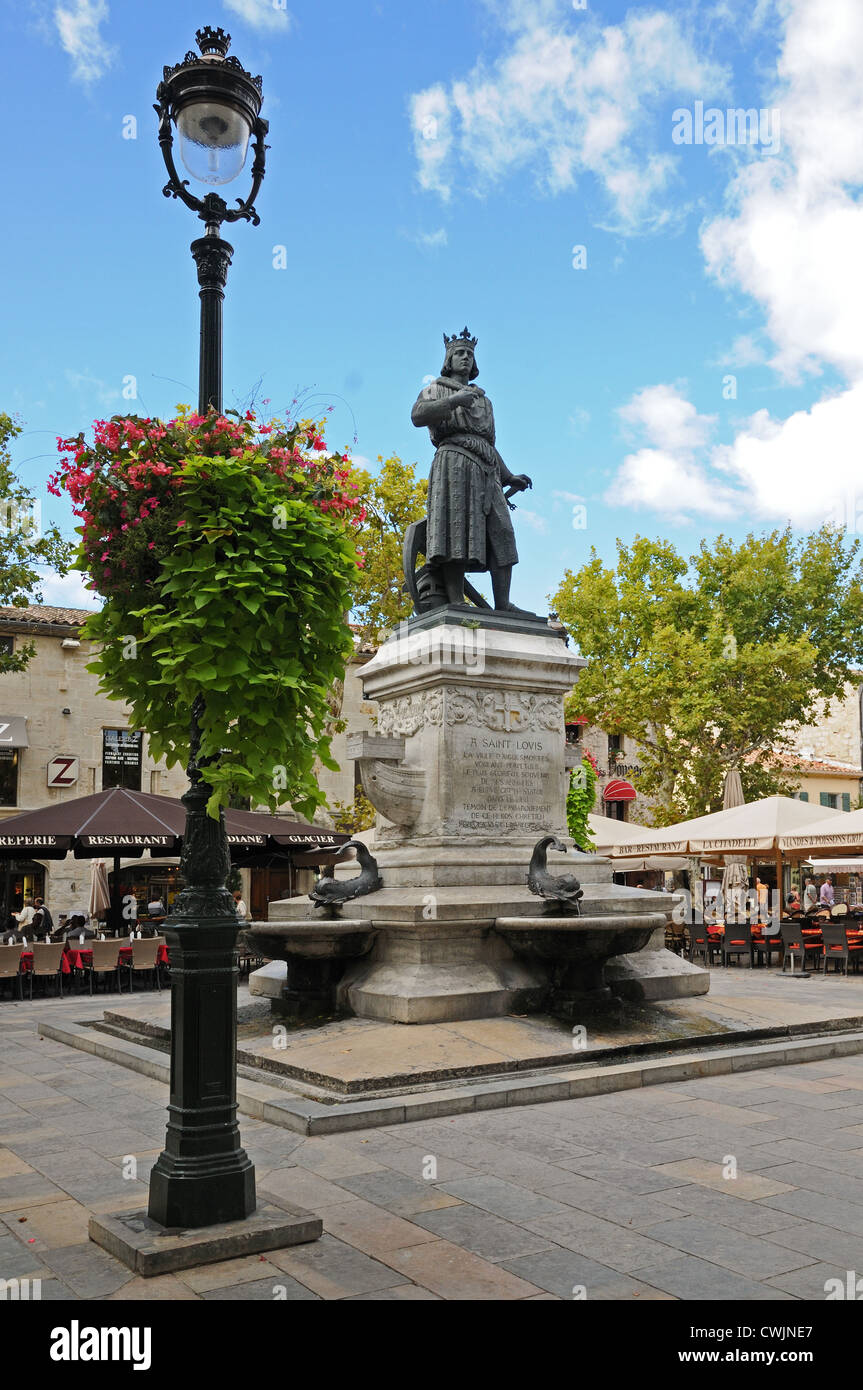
{"x":504,"y":783}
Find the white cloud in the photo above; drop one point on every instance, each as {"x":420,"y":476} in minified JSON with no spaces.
{"x":430,"y":119}
{"x":668,"y":419}
{"x":666,"y":475}
{"x":262,"y":14}
{"x":567,"y":496}
{"x":68,"y":592}
{"x":791,"y":238}
{"x":93,"y":386}
{"x":804,"y":469}
{"x":566,"y":97}
{"x":745,"y":351}
{"x":79,"y":31}
{"x":672,"y":484}
{"x":533,"y":520}
{"x":430,"y":241}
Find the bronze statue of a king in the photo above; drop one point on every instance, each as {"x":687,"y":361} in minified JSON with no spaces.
{"x":468,"y":528}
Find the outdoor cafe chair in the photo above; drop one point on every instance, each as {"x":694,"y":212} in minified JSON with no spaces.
{"x":700,"y":943}
{"x":10,"y":965}
{"x":145,"y":956}
{"x":738,"y":941}
{"x":48,"y":964}
{"x":838,"y":948}
{"x":163,"y":968}
{"x":764,"y":944}
{"x":105,"y":961}
{"x":798,"y":946}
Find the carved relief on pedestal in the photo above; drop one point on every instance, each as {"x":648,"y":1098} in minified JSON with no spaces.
{"x":409,"y":713}
{"x":512,"y":711}
{"x":508,"y":710}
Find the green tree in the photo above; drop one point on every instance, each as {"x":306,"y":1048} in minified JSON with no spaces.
{"x":352,"y":816}
{"x":708,"y":661}
{"x":393,"y":498}
{"x":25,"y":549}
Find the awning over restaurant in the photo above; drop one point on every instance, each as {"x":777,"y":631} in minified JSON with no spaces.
{"x":619,"y":790}
{"x":840,"y":830}
{"x":743,"y":830}
{"x":118,"y":822}
{"x":13,"y":731}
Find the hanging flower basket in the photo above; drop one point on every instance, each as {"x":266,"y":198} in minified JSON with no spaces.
{"x":223,"y":548}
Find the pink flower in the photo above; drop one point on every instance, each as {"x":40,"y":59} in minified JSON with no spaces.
{"x":180,"y":523}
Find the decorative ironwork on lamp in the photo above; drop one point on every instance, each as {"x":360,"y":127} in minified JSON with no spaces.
{"x":215,"y":105}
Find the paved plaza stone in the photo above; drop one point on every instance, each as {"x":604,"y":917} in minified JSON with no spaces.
{"x":616,"y":1197}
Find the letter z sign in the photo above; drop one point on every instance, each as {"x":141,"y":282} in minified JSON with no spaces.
{"x":62,"y":772}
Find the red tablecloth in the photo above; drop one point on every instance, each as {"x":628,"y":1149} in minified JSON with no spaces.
{"x":27,"y":962}
{"x":81,"y":957}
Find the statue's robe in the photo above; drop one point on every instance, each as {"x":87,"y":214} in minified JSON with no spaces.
{"x":468,"y":516}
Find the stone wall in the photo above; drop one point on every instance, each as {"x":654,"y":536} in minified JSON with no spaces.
{"x":57,"y":679}
{"x":837,"y":734}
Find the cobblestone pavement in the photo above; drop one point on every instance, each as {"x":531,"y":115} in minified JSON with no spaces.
{"x":740,"y":1187}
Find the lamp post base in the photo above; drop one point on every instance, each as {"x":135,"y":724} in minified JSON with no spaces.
{"x":180,"y":1196}
{"x":203,"y":1175}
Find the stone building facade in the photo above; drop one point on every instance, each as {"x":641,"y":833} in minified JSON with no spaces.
{"x":66,"y":740}
{"x":837,"y":736}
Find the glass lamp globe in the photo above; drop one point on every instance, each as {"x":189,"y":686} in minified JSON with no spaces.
{"x":214,"y":140}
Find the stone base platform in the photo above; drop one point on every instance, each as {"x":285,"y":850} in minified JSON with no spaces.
{"x":150,"y":1249}
{"x":353,"y":1073}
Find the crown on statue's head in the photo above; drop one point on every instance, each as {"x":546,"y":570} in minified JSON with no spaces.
{"x":463,"y":339}
{"x":213,"y":40}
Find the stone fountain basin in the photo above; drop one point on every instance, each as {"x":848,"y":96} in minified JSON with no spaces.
{"x":554,"y":938}
{"x":339,"y":939}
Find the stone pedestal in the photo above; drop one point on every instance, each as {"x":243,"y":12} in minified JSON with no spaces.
{"x":467,"y":771}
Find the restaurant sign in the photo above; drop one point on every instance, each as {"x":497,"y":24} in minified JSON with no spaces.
{"x":36,"y":841}
{"x":62,"y":772}
{"x":108,"y":841}
{"x":307,"y":839}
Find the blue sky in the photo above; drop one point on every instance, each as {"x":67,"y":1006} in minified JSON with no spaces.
{"x":435,"y":163}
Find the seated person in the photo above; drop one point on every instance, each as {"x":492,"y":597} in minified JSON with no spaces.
{"x":76,"y":926}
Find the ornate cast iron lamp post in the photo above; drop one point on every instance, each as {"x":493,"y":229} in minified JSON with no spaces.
{"x":215,"y":106}
{"x":203,"y":1176}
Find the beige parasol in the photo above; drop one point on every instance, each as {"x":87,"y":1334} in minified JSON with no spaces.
{"x":735,"y":875}
{"x":100,"y":897}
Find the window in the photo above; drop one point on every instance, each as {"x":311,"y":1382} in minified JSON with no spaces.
{"x":573,"y":733}
{"x":802,"y":796}
{"x":615,"y":748}
{"x":846,"y":801}
{"x":8,"y":776}
{"x":7,"y":645}
{"x":830,"y":799}
{"x":121,"y":759}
